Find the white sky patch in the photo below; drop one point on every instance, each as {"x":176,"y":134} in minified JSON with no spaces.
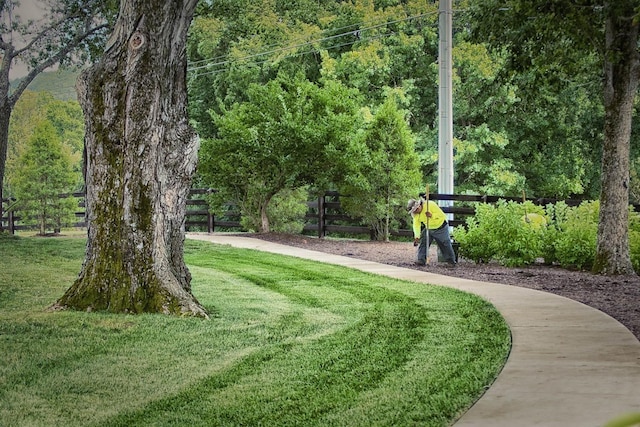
{"x":27,"y":10}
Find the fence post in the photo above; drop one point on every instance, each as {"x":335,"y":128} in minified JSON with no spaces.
{"x":321,"y":216}
{"x":210,"y":222}
{"x":12,"y":225}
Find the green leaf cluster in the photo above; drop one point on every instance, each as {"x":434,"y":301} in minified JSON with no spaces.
{"x":508,"y":232}
{"x":385,"y":174}
{"x":44,"y":172}
{"x":281,"y":139}
{"x":558,"y":234}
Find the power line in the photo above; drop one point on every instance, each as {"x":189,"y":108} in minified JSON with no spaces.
{"x":356,"y":25}
{"x":337,"y":46}
{"x":355,"y":33}
{"x":276,"y":45}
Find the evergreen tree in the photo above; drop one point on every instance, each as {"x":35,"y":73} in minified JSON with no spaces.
{"x":65,"y":116}
{"x":386,"y":171}
{"x":44,"y":172}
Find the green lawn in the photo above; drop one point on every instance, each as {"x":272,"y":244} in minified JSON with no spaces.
{"x":290,"y":342}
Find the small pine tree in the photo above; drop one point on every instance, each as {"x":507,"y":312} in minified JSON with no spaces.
{"x":385,"y":174}
{"x":44,"y":172}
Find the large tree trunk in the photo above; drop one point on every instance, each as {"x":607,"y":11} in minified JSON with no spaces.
{"x":5,"y":116}
{"x":622,"y":71}
{"x":140,"y":157}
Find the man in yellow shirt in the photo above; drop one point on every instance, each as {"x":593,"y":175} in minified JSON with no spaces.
{"x":428,"y":215}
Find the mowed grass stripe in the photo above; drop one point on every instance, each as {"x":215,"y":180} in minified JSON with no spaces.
{"x":292,"y":342}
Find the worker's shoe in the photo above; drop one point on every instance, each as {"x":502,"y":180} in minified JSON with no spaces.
{"x":421,"y":263}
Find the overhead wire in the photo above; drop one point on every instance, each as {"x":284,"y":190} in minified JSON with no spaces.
{"x":312,"y":41}
{"x":358,"y":31}
{"x":276,"y":45}
{"x":337,"y":46}
{"x":357,"y":27}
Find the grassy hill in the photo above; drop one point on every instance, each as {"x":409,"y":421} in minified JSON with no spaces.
{"x":61,"y":84}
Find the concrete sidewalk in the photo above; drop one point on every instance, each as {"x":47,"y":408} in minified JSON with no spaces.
{"x":570,"y":365}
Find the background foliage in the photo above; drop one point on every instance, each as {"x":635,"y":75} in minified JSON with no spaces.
{"x":44,"y":171}
{"x":536,"y":129}
{"x":518,"y":125}
{"x":45,"y":159}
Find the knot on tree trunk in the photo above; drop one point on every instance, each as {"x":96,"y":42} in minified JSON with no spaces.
{"x":137,"y":40}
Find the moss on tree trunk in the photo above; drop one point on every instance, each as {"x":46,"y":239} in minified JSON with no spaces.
{"x":140,"y":158}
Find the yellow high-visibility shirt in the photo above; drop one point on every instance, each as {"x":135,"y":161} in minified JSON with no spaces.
{"x":438,"y":217}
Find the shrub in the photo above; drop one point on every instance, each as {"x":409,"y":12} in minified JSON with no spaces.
{"x":558,"y":215}
{"x":473,"y":238}
{"x":634,"y":239}
{"x":504,"y":232}
{"x":287,"y":210}
{"x":575,"y":240}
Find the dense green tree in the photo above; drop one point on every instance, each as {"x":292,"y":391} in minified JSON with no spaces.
{"x":386,"y":171}
{"x":280,"y":139}
{"x":27,"y":113}
{"x":528,"y":114}
{"x":66,"y":118}
{"x":483,"y":161}
{"x":553,"y":38}
{"x":235,"y":43}
{"x":44,"y":172}
{"x":70,"y":33}
{"x":523,"y":131}
{"x":372,"y":46}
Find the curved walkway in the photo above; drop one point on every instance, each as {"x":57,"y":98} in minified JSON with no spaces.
{"x":570,"y":365}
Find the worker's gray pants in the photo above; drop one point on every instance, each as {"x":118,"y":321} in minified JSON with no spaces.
{"x":441,"y":236}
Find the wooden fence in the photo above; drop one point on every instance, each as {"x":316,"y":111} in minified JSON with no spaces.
{"x":323,"y":217}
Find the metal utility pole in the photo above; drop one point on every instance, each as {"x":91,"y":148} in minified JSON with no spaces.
{"x":445,"y":108}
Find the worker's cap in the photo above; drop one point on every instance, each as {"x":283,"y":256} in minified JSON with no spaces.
{"x":413,"y":205}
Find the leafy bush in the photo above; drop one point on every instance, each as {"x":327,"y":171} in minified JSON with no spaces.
{"x":634,"y":239}
{"x":558,"y":215}
{"x":473,"y":239}
{"x":568,"y":237}
{"x":287,"y":210}
{"x":509,"y":232}
{"x":575,"y":240}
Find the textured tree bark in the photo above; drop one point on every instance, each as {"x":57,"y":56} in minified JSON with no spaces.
{"x":622,"y":72}
{"x":141,"y":154}
{"x":5,"y":114}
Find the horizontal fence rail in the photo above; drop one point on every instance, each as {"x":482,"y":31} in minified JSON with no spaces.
{"x":324,"y":215}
